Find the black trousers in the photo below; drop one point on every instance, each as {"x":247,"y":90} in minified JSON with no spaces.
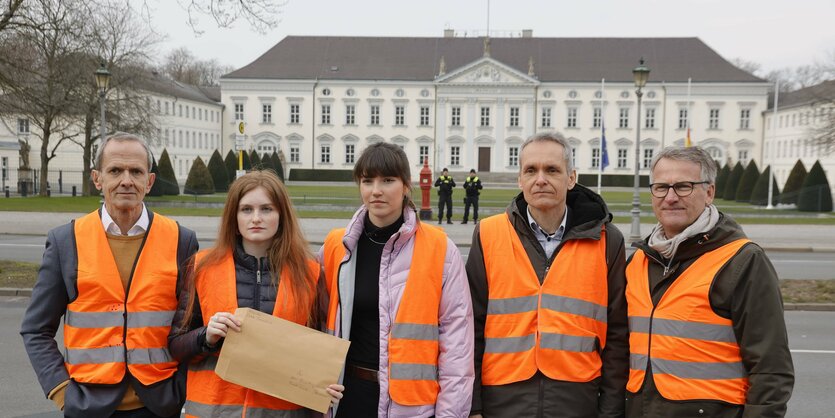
{"x":137,"y":413}
{"x":470,"y":201}
{"x":359,"y":400}
{"x":444,"y":200}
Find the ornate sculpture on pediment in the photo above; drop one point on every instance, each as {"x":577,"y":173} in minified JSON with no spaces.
{"x":442,"y":67}
{"x":530,"y":67}
{"x":486,"y":46}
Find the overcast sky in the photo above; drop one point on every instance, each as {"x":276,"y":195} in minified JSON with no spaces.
{"x":773,"y":33}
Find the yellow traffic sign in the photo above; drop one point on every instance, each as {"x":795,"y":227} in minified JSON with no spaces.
{"x":241,"y":127}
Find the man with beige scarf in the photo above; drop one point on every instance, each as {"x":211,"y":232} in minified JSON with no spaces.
{"x":707,"y":333}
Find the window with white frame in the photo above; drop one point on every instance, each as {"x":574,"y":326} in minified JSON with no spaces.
{"x":648,"y":154}
{"x":513,"y":157}
{"x":423,"y":153}
{"x":326,"y":114}
{"x":713,"y":118}
{"x":546,"y":117}
{"x":166,"y":137}
{"x":745,"y":119}
{"x":455,"y":155}
{"x":649,"y":120}
{"x":400,"y":115}
{"x":595,"y":157}
{"x":23,"y":125}
{"x":682,"y":118}
{"x":571,"y":118}
{"x":574,"y":156}
{"x":743,"y":156}
{"x":239,"y":111}
{"x":181,"y":110}
{"x":325,"y":153}
{"x":180,"y":139}
{"x":597,"y":117}
{"x":485,"y":116}
{"x":266,"y":113}
{"x":187,"y":112}
{"x":166,"y":108}
{"x":375,"y":115}
{"x":200,"y":114}
{"x":514,"y":116}
{"x":424,"y":116}
{"x":295,"y":113}
{"x":294,"y":154}
{"x":622,"y":157}
{"x":456,"y":116}
{"x":350,"y":114}
{"x":623,"y":120}
{"x":349,"y":153}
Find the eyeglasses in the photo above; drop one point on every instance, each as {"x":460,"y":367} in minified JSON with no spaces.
{"x":681,"y":189}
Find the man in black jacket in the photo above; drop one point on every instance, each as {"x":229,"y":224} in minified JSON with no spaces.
{"x":445,"y":183}
{"x":472,"y":187}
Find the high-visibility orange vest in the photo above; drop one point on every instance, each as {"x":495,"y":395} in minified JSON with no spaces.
{"x":207,"y":395}
{"x":108,"y":329}
{"x":413,"y":341}
{"x":558,"y":327}
{"x":693,"y":351}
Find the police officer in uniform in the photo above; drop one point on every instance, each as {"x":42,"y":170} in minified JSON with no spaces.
{"x":472,"y":187}
{"x":445,"y":183}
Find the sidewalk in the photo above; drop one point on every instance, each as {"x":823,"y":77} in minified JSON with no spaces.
{"x":800,"y":238}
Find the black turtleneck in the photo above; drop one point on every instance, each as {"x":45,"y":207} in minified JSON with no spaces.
{"x":365,"y":320}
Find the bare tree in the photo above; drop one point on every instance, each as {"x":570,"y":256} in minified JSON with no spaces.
{"x":181,"y":65}
{"x":261,"y":15}
{"x":745,"y":65}
{"x":41,"y":72}
{"x":10,"y":11}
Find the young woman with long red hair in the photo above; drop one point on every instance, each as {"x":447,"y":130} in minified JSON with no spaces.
{"x":260,"y":261}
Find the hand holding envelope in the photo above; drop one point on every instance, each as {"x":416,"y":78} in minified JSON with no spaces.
{"x":282,"y":359}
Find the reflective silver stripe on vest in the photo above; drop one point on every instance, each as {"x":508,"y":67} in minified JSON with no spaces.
{"x":275,"y":413}
{"x":208,"y":363}
{"x":509,"y":344}
{"x":574,"y":306}
{"x":150,"y":319}
{"x":512,"y":305}
{"x":149,"y":356}
{"x":117,"y":319}
{"x":202,"y":410}
{"x":568,"y":342}
{"x":94,"y":319}
{"x":415,"y":332}
{"x":115,"y":354}
{"x":683,"y":329}
{"x":412,"y":371}
{"x":689,"y":369}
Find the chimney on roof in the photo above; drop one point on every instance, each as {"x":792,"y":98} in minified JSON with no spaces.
{"x":449,"y":33}
{"x":527,"y":33}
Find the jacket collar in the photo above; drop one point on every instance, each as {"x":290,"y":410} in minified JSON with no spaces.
{"x":725,"y":231}
{"x":356,"y":227}
{"x":587,"y":212}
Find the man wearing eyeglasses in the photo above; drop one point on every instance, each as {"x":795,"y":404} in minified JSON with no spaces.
{"x":707,"y":333}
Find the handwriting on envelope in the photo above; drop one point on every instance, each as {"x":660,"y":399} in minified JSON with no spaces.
{"x":282,"y":359}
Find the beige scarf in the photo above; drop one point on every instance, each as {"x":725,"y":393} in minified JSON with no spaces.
{"x":667,"y":246}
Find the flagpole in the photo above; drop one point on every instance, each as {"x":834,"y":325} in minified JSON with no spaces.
{"x":771,"y":146}
{"x":602,"y":136}
{"x":687,"y":142}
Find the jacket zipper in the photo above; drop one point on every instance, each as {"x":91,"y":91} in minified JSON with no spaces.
{"x":396,"y":236}
{"x":258,"y":285}
{"x":127,"y":293}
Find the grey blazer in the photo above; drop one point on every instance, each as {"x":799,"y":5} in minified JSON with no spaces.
{"x":55,"y":288}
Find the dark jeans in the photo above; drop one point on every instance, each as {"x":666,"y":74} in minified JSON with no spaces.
{"x":444,"y":200}
{"x":470,"y":201}
{"x":138,"y":413}
{"x":359,"y":400}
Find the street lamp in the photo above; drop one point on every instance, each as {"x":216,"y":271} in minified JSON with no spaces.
{"x":102,"y":82}
{"x":640,"y":75}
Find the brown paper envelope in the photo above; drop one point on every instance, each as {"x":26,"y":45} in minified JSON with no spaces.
{"x":282,"y":359}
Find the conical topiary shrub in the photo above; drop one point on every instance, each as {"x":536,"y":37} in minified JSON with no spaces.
{"x":231,"y":163}
{"x":156,"y":188}
{"x":747,"y":182}
{"x":791,"y":190}
{"x":815,"y":195}
{"x":218,"y":171}
{"x":267,"y":162}
{"x":722,"y":180}
{"x":255,"y":161}
{"x":247,"y":162}
{"x":760,"y":195}
{"x":733,"y":182}
{"x":166,"y":175}
{"x":199,"y":179}
{"x":279,"y":168}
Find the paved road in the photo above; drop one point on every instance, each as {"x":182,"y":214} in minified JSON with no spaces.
{"x":810,"y":336}
{"x":789,"y":265}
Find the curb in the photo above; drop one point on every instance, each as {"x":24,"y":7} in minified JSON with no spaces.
{"x":812,"y":307}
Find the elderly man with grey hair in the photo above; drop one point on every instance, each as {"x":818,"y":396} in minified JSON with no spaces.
{"x":547,"y":283}
{"x":114,"y":276}
{"x":707,"y":333}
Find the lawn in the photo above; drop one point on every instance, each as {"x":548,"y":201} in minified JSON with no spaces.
{"x":340,"y":201}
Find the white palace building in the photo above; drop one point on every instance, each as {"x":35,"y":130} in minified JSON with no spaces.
{"x":471,"y":102}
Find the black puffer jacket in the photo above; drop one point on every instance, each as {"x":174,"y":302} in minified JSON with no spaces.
{"x":185,"y":343}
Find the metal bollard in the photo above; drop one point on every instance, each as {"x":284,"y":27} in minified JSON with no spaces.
{"x":73,"y":191}
{"x":7,"y":191}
